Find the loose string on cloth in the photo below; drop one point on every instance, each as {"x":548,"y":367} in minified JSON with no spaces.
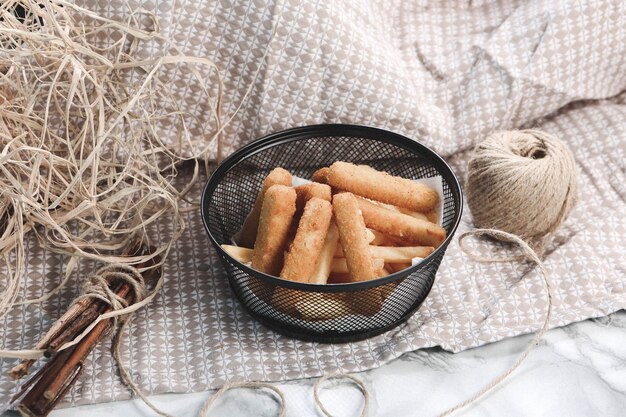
{"x":357,"y":382}
{"x":254,"y":385}
{"x":281,"y":412}
{"x":528,"y":254}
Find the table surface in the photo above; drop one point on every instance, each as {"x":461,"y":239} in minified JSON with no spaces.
{"x":577,"y":370}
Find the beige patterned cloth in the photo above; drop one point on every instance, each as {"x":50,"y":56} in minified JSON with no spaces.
{"x":444,"y":72}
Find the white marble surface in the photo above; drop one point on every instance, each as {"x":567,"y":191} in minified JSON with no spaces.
{"x":578,"y":370}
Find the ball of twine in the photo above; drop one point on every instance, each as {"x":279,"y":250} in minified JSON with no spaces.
{"x":522,"y":182}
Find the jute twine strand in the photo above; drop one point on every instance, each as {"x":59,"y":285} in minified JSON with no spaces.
{"x":357,"y":382}
{"x":530,"y":255}
{"x":253,"y":385}
{"x":98,"y":286}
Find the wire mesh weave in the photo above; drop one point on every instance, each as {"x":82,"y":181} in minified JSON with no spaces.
{"x":334,"y":312}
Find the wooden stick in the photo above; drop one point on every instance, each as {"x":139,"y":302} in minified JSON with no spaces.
{"x":34,"y":403}
{"x":57,"y":327}
{"x":78,"y":316}
{"x":91,"y":313}
{"x":51,"y":383}
{"x":61,"y":374}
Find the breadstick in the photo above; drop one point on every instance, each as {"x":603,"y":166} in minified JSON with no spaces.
{"x":392,"y":254}
{"x":400,"y":225}
{"x":380,"y":186}
{"x":321,"y":175}
{"x":432,"y":217}
{"x":415,"y":214}
{"x":307,"y":246}
{"x":305,"y":192}
{"x":340,"y":265}
{"x":322,"y":270}
{"x":247,"y":236}
{"x":373,"y":238}
{"x":353,"y":238}
{"x":279,"y":207}
{"x":243,"y":255}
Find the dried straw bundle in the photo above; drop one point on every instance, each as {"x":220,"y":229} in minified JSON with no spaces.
{"x":82,"y":164}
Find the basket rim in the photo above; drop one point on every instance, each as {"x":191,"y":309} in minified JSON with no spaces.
{"x":330,"y":130}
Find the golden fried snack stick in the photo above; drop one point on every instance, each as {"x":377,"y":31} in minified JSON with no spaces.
{"x":241,"y":254}
{"x":432,"y":217}
{"x":307,"y":246}
{"x":247,"y":237}
{"x":321,"y":175}
{"x":307,"y":191}
{"x":340,"y":265}
{"x":391,"y":254}
{"x":279,"y":207}
{"x":352,"y":235}
{"x":402,"y":210}
{"x":400,"y":225}
{"x":322,"y":269}
{"x":380,"y":186}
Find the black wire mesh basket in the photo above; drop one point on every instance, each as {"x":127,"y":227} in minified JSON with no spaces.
{"x":334,"y":312}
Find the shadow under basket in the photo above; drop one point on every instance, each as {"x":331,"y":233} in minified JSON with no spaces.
{"x":335,"y":312}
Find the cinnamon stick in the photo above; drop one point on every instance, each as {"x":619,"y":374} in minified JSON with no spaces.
{"x":76,"y":327}
{"x":74,"y":321}
{"x":53,"y":381}
{"x":57,"y":327}
{"x":34,"y":403}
